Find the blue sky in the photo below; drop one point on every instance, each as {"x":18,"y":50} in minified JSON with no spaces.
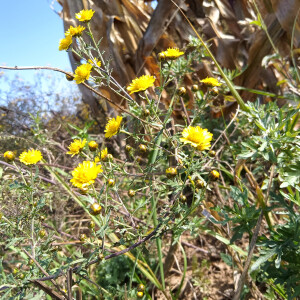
{"x":30,"y":34}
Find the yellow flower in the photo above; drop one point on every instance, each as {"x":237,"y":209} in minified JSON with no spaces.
{"x":30,"y":157}
{"x":210,"y":81}
{"x":113,"y":126}
{"x":75,"y":31}
{"x":172,"y":53}
{"x":197,"y":137}
{"x":82,"y":73}
{"x":84,"y":15}
{"x":102,"y":156}
{"x":85,"y":174}
{"x":9,"y":156}
{"x":76,"y":146}
{"x":98,"y":62}
{"x":141,"y":84}
{"x":65,"y":43}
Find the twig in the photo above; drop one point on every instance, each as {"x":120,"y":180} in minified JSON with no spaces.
{"x":195,"y":247}
{"x":224,"y":131}
{"x":75,"y":269}
{"x":185,"y":111}
{"x":69,"y":283}
{"x":44,"y":272}
{"x":54,"y":295}
{"x":250,"y":254}
{"x":127,"y":212}
{"x":85,"y":84}
{"x":41,"y":177}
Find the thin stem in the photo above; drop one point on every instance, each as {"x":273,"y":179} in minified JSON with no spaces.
{"x":228,"y":82}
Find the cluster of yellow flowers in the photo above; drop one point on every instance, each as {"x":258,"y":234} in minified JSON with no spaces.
{"x":86,"y":173}
{"x":82,"y":72}
{"x":82,"y":16}
{"x":30,"y":157}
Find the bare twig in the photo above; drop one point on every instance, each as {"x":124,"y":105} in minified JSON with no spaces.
{"x":127,"y":212}
{"x":248,"y":261}
{"x":86,"y":85}
{"x":44,"y":272}
{"x":185,"y":111}
{"x":69,"y":283}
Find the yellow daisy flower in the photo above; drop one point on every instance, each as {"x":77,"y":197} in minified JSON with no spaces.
{"x":141,"y":84}
{"x":82,"y":73}
{"x":113,"y":126}
{"x":172,"y":53}
{"x":197,"y":137}
{"x":74,"y":31}
{"x":102,"y":156}
{"x":30,"y":157}
{"x":98,"y":62}
{"x":9,"y":156}
{"x":85,"y":15}
{"x":65,"y":43}
{"x":76,"y":146}
{"x":210,"y":81}
{"x":85,"y":174}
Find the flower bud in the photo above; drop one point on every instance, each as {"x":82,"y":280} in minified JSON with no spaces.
{"x":143,"y":148}
{"x":109,"y":157}
{"x":111,"y":182}
{"x":128,"y":148}
{"x":195,"y":87}
{"x":91,"y":225}
{"x":69,"y":77}
{"x":146,"y":112}
{"x":42,"y":233}
{"x":212,"y":153}
{"x":171,"y":172}
{"x":15,"y":271}
{"x":95,"y":209}
{"x":42,"y":218}
{"x":141,"y":287}
{"x":182,"y":198}
{"x":140,"y":294}
{"x":161,"y":56}
{"x":199,"y":183}
{"x":214,"y":91}
{"x":9,"y":156}
{"x":181,"y":91}
{"x":83,"y":237}
{"x":214,"y":175}
{"x":131,"y":193}
{"x":93,"y":146}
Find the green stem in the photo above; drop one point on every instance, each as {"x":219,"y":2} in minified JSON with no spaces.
{"x":228,"y":82}
{"x":113,"y":238}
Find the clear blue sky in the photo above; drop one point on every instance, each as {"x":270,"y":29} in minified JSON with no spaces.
{"x":30,"y":34}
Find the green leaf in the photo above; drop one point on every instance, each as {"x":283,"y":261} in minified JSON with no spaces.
{"x":256,"y":22}
{"x":227,"y":259}
{"x":263,"y":259}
